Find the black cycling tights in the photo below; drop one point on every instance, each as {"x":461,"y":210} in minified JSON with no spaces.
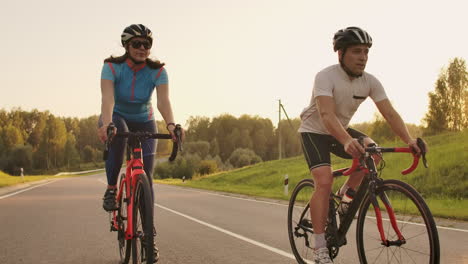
{"x":117,"y":148}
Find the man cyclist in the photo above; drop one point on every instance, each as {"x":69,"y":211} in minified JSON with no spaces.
{"x":338,"y":91}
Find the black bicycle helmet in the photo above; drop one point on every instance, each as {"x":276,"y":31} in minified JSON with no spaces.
{"x":136,"y":30}
{"x":351,"y":36}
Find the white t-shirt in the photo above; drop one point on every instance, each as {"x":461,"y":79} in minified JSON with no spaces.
{"x":347,"y":94}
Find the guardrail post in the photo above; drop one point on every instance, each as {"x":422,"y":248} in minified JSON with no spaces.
{"x":286,"y":185}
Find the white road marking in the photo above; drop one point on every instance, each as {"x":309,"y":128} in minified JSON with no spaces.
{"x":27,"y":189}
{"x":227,"y":232}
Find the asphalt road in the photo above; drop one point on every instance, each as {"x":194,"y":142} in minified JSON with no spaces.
{"x":62,"y":221}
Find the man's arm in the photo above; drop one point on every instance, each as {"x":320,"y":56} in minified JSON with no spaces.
{"x":326,"y":107}
{"x":394,"y":120}
{"x":396,"y":123}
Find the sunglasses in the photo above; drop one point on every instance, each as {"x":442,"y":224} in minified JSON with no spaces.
{"x":137,"y":44}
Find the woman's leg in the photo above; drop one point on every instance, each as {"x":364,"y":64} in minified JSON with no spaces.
{"x":114,"y":164}
{"x":116,"y":151}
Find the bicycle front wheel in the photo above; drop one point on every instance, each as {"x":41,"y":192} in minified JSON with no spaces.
{"x":299,"y":223}
{"x":418,"y":241}
{"x":143,"y":238}
{"x":124,"y":244}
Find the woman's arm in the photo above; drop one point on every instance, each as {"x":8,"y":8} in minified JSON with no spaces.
{"x":165,"y":108}
{"x":164,"y":104}
{"x":107,"y":107}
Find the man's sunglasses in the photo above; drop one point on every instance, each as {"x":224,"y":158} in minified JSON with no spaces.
{"x":137,"y":44}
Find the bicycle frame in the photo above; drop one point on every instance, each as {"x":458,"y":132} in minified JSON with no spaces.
{"x":134,"y":167}
{"x":370,"y":184}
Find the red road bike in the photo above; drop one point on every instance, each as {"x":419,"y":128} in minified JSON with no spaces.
{"x":133,"y":220}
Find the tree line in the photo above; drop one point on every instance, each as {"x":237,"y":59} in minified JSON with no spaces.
{"x":39,"y":141}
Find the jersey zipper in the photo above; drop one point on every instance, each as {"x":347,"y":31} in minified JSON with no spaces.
{"x":132,"y":97}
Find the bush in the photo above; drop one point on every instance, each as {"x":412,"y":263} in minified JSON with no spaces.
{"x":183,"y":166}
{"x":20,"y":157}
{"x":207,"y":167}
{"x":200,"y":148}
{"x":242,"y":157}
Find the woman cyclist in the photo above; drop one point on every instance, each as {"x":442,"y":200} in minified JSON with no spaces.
{"x":127,"y":84}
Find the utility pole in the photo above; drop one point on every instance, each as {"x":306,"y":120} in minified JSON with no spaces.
{"x":281,"y":107}
{"x":279,"y":130}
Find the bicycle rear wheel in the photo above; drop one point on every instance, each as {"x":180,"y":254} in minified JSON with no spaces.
{"x":142,"y":241}
{"x":299,"y":223}
{"x":413,"y":219}
{"x":124,"y":244}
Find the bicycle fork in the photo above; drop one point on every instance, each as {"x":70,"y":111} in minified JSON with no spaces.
{"x":378,"y":215}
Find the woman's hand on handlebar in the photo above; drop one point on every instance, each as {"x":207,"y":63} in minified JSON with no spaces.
{"x":103,"y":130}
{"x":171,"y":127}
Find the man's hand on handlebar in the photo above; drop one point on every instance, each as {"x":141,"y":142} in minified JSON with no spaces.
{"x":418,"y":146}
{"x":354,"y":148}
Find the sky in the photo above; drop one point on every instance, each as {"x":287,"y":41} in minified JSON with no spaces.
{"x":237,"y":57}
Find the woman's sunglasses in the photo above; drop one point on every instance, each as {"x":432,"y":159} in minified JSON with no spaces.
{"x":137,"y":44}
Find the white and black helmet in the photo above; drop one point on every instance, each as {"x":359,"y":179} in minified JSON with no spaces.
{"x":351,"y":36}
{"x":136,"y":30}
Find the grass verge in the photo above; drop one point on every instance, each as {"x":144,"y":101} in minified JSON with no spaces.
{"x":443,"y":185}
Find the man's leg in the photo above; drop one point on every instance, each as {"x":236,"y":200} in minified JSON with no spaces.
{"x":319,"y":201}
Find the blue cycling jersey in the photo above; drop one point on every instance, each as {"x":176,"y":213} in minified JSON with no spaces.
{"x":133,"y":87}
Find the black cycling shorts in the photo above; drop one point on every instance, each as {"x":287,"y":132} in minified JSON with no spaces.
{"x":317,"y":147}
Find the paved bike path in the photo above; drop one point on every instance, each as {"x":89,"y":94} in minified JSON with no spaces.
{"x":63,"y":222}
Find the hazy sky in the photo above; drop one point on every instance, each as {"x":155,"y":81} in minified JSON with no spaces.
{"x":236,"y":57}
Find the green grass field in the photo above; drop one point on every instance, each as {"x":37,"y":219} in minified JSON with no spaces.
{"x":8,"y":180}
{"x":444,"y":184}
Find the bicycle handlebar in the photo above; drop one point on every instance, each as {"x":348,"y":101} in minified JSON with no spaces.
{"x":357,"y":163}
{"x":176,"y":145}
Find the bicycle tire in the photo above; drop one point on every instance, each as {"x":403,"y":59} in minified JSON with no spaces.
{"x":300,"y":228}
{"x":143,"y":239}
{"x":421,"y":239}
{"x":124,"y":244}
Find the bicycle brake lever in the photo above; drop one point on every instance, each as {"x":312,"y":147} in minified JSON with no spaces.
{"x":178,"y":134}
{"x":422,"y":147}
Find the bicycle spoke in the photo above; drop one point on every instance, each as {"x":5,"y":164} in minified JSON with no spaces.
{"x":409,"y":256}
{"x":416,"y":251}
{"x":424,"y":233}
